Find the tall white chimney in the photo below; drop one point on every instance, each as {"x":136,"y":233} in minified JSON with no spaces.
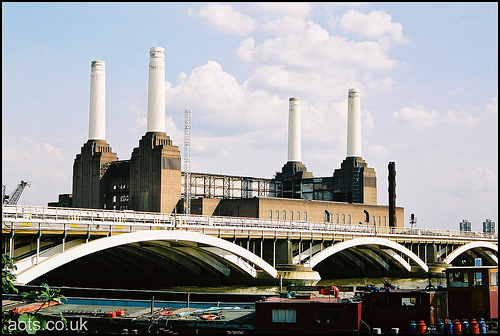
{"x":354,"y":124}
{"x":156,"y":90}
{"x":294,"y":136}
{"x":97,"y":111}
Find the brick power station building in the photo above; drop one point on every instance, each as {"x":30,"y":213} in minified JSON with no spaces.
{"x":152,"y":180}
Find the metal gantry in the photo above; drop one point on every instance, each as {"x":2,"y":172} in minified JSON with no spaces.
{"x":227,"y":186}
{"x":187,"y":161}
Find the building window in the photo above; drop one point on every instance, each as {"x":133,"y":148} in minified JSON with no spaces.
{"x":291,"y":215}
{"x":349,"y":219}
{"x":459,"y":279}
{"x":411,"y":302}
{"x":329,"y":316}
{"x":373,"y":220}
{"x":378,"y":220}
{"x":270,"y":214}
{"x":171,"y":163}
{"x":478,"y":279}
{"x":305,"y":216}
{"x":494,"y":279}
{"x":284,"y":316}
{"x":337,"y":217}
{"x":284,"y":215}
{"x":298,"y":215}
{"x":277,"y":214}
{"x":343,"y":219}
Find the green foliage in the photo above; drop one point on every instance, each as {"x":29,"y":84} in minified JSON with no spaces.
{"x":7,"y":286}
{"x":47,"y":295}
{"x":7,"y":276}
{"x":33,"y":321}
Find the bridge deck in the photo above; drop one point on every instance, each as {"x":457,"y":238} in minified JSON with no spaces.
{"x":54,"y":221}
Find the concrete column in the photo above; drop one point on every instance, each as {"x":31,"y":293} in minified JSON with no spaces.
{"x":294,"y":135}
{"x":97,"y":113}
{"x":156,"y":90}
{"x":354,"y":123}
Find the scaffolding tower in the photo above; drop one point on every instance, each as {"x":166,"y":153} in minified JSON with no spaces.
{"x":187,"y":161}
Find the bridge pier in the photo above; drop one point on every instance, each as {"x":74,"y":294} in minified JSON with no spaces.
{"x":437,"y":268}
{"x":279,"y":253}
{"x":298,"y":275}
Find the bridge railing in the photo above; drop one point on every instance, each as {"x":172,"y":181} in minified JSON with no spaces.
{"x":128,"y":220}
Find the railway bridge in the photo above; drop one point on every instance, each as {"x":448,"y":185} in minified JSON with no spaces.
{"x":73,"y":246}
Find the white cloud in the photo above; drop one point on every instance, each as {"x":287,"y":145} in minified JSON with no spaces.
{"x":419,"y":117}
{"x":315,"y":65}
{"x":484,"y":179}
{"x":285,"y":25}
{"x":40,"y":163}
{"x":244,"y":50}
{"x":463,"y":119}
{"x":378,"y":150}
{"x":283,"y":9}
{"x":492,"y":109}
{"x":376,"y":25}
{"x":422,"y":117}
{"x":221,"y":104}
{"x":225,"y":19}
{"x":140,"y":119}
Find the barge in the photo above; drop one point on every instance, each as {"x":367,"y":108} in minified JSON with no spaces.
{"x":471,"y":296}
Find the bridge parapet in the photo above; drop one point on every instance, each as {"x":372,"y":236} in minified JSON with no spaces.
{"x":17,"y":217}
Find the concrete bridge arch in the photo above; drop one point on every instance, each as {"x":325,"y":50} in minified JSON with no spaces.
{"x":237,"y":256}
{"x":473,"y":246}
{"x":388,"y":244}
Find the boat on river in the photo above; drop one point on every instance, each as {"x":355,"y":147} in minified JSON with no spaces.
{"x":469,"y":298}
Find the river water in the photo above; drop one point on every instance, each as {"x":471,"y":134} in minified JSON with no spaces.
{"x":402,"y":283}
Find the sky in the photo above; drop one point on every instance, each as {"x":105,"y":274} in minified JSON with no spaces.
{"x":427,"y":73}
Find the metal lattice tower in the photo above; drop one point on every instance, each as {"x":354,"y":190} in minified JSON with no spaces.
{"x":187,"y":161}
{"x":13,"y":198}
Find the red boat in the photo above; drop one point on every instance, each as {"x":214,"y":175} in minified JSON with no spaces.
{"x":398,"y":308}
{"x":473,"y":292}
{"x":307,"y":314}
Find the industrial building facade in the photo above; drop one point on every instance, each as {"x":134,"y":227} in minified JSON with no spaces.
{"x":152,"y":180}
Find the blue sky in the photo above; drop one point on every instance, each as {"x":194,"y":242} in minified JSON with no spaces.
{"x":428,"y":75}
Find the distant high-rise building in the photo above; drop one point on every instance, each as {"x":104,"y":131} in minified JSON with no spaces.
{"x":465,"y":225}
{"x":489,"y":226}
